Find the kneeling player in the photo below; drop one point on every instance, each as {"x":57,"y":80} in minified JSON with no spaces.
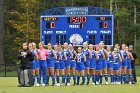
{"x":80,"y":66}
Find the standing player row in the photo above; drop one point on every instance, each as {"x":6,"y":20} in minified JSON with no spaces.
{"x":85,"y":63}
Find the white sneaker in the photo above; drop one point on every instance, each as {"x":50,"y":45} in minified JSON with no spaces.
{"x":93,"y":83}
{"x":130,"y":82}
{"x":43,"y":84}
{"x":106,"y":83}
{"x":68,"y":84}
{"x":119,"y":83}
{"x":112,"y":83}
{"x":57,"y":84}
{"x":62,"y":84}
{"x":37,"y":84}
{"x":97,"y":83}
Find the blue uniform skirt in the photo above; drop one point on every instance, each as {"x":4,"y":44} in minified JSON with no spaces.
{"x":80,"y":66}
{"x":99,"y":65}
{"x":116,"y":66}
{"x":92,"y":64}
{"x":57,"y":65}
{"x":62,"y":64}
{"x":124,"y":63}
{"x":73,"y":64}
{"x":110,"y":65}
{"x":129,"y":67}
{"x":50,"y":63}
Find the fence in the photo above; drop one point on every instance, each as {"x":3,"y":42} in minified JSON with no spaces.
{"x":8,"y":70}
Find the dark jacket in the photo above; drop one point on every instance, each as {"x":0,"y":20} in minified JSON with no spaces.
{"x":25,"y":56}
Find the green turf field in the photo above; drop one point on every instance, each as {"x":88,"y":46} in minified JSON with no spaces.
{"x":9,"y":85}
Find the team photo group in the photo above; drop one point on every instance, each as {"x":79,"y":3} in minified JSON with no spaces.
{"x":66,"y":65}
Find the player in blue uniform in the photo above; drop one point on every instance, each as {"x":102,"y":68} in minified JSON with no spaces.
{"x":50,"y":64}
{"x":67,"y":63}
{"x":124,"y":62}
{"x":73,"y":61}
{"x":120,"y":63}
{"x":62,"y":63}
{"x":35,"y":69}
{"x":88,"y":55}
{"x":116,"y":66}
{"x":110,"y":60}
{"x":101,"y":44}
{"x":93,"y":63}
{"x":80,"y":67}
{"x":129,"y":68}
{"x":99,"y":64}
{"x":57,"y":64}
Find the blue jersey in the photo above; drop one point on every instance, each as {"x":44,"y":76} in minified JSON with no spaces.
{"x":116,"y":58}
{"x":73,"y":55}
{"x":110,"y":58}
{"x":93,"y":55}
{"x":62,"y":54}
{"x":51,"y":56}
{"x":86,"y":53}
{"x":67,"y":53}
{"x":80,"y":58}
{"x":124,"y":54}
{"x":99,"y":53}
{"x":34,"y":53}
{"x":57,"y":55}
{"x":103,"y":51}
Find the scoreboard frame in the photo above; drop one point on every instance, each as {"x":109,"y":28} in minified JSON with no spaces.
{"x":58,"y":16}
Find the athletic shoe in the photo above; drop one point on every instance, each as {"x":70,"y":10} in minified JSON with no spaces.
{"x":112,"y":83}
{"x":27,"y":85}
{"x":20,"y":85}
{"x":130,"y":82}
{"x":37,"y":84}
{"x":68,"y":84}
{"x":57,"y":84}
{"x":106,"y":83}
{"x":97,"y":83}
{"x":93,"y":83}
{"x":43,"y":84}
{"x":62,"y":84}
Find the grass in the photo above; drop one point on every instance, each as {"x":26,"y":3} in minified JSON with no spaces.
{"x":9,"y":85}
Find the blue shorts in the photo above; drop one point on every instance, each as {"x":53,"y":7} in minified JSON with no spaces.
{"x":62,"y":64}
{"x":67,"y":63}
{"x":73,"y":64}
{"x":116,"y":66}
{"x":57,"y":65}
{"x":87,"y":64}
{"x":99,"y":65}
{"x":129,"y":67}
{"x":124,"y":63}
{"x":80,"y":66}
{"x":92,"y":64}
{"x":110,"y":65}
{"x":42,"y":63}
{"x":104,"y":62}
{"x":50,"y":63}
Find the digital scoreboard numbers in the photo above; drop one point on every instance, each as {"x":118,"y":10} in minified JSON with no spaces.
{"x":77,"y":29}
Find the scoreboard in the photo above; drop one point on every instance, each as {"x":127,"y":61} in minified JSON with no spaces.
{"x":77,"y":29}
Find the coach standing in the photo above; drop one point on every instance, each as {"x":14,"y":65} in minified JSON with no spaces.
{"x":133,"y":64}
